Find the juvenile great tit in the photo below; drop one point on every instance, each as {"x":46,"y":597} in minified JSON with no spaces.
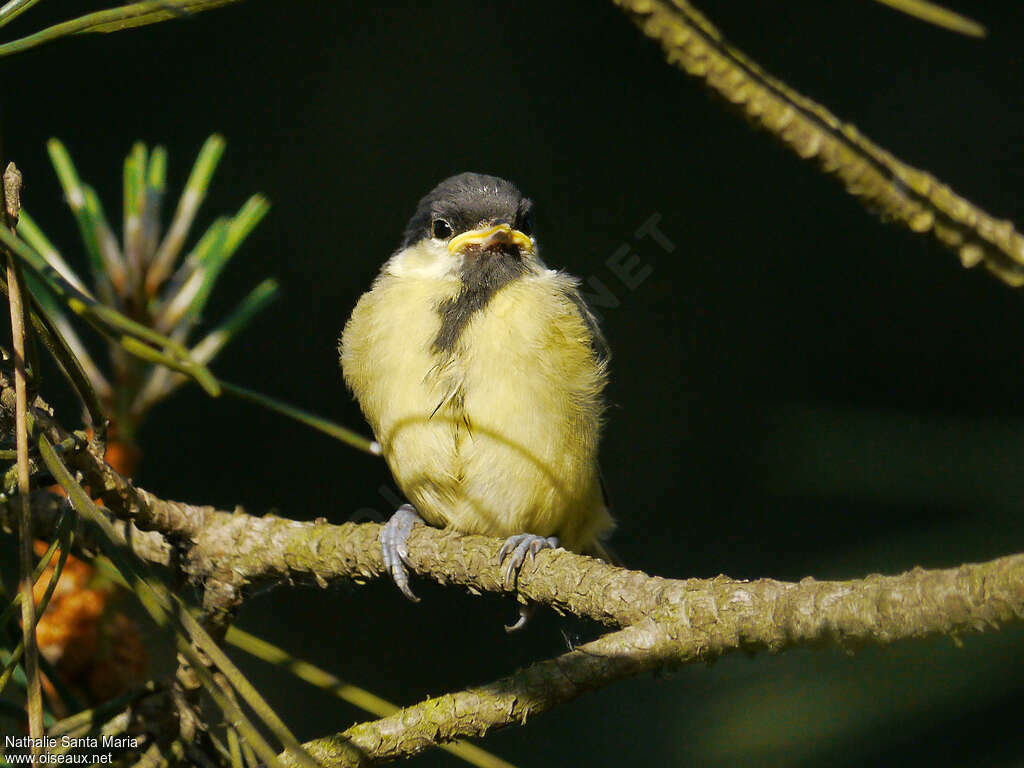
{"x":481,"y":373}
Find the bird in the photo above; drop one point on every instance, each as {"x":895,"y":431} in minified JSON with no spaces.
{"x":482,"y":372}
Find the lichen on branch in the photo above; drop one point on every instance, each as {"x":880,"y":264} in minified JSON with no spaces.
{"x":661,"y":623}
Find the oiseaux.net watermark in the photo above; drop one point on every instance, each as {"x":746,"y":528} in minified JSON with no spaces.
{"x":628,"y":266}
{"x":64,"y":750}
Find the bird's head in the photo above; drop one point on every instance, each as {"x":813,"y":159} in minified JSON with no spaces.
{"x":471,"y":225}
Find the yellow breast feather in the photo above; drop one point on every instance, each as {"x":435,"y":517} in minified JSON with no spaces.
{"x":498,"y":435}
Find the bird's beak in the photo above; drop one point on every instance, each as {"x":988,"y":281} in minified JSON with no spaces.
{"x":500,"y":234}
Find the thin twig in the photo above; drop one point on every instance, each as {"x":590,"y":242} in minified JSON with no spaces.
{"x":11,"y":207}
{"x":167,"y":609}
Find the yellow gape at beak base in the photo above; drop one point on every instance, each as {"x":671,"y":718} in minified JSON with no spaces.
{"x":485,"y":237}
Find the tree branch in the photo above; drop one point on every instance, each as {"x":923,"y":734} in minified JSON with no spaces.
{"x":666,"y":622}
{"x":700,"y":621}
{"x":765,"y":613}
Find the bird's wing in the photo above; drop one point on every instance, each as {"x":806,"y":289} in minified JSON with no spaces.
{"x":598,"y":343}
{"x":602,"y":353}
{"x":601,"y":548}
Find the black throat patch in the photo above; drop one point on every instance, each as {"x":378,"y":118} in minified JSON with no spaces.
{"x":486,"y":273}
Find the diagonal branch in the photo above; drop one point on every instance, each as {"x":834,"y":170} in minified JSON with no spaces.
{"x":508,"y":701}
{"x":714,"y":617}
{"x":881,"y":181}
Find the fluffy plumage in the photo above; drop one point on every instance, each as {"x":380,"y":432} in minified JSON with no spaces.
{"x":481,"y":373}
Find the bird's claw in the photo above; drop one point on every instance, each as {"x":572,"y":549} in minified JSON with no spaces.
{"x":525,"y":614}
{"x":516,"y":548}
{"x":394,"y":546}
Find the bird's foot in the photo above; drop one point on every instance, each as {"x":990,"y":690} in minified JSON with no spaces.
{"x":517,"y":548}
{"x":394,"y":547}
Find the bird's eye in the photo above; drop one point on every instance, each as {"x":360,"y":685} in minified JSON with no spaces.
{"x":442,"y":229}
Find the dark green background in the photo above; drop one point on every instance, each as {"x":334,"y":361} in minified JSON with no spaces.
{"x":799,"y":389}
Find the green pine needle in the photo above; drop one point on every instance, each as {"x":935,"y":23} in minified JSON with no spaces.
{"x":191,"y":198}
{"x":110,"y":20}
{"x":309,"y":419}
